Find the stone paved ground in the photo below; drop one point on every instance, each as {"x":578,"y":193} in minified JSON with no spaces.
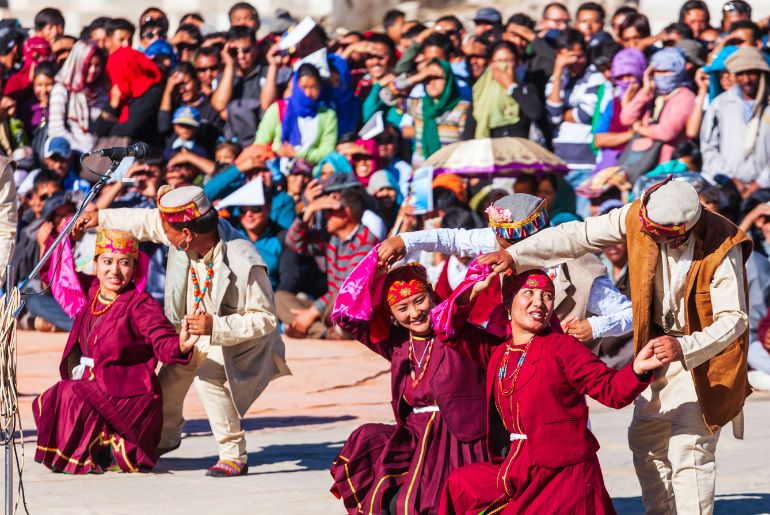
{"x":294,"y":431}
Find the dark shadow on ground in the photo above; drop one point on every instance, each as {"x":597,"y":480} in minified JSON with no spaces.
{"x":304,"y":457}
{"x":201,"y":426}
{"x":733,"y":504}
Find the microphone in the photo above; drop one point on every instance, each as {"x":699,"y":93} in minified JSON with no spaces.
{"x":139,"y":150}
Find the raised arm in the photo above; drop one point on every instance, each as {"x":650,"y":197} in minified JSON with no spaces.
{"x":143,"y":223}
{"x":555,"y":245}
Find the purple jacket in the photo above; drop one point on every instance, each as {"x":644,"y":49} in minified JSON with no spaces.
{"x":456,"y":382}
{"x":129,"y":340}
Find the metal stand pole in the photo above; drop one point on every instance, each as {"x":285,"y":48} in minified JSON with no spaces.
{"x":9,"y":434}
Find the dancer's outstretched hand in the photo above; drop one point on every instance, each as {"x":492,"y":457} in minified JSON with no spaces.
{"x":500,"y":261}
{"x":390,"y":251}
{"x":646,"y":360}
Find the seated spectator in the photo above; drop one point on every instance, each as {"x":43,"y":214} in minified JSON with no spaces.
{"x":635,"y":33}
{"x":695,"y":14}
{"x":384,"y":188}
{"x":734,"y":139}
{"x":379,"y":58}
{"x":36,"y":50}
{"x":186,"y":124}
{"x":253,"y":220}
{"x":341,"y":97}
{"x":49,"y":24}
{"x":208,"y":65}
{"x":659,"y":110}
{"x":334,"y":162}
{"x":299,"y":177}
{"x":300,"y":126}
{"x":183,"y":89}
{"x":77,"y":96}
{"x":363,"y":156}
{"x":501,"y":106}
{"x":57,"y":158}
{"x":34,"y":111}
{"x":559,"y":197}
{"x":344,"y":244}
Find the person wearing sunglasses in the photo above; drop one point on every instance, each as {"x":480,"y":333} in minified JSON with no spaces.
{"x":208,"y":65}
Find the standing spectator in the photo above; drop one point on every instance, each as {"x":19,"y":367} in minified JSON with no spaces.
{"x":589,"y":20}
{"x":246,"y":88}
{"x":735,"y":139}
{"x":555,"y":17}
{"x":300,"y":126}
{"x":244,"y":14}
{"x":635,"y":32}
{"x":572,"y":100}
{"x":134,"y":98}
{"x":734,"y":10}
{"x":486,"y":19}
{"x":660,"y":108}
{"x":393,"y":24}
{"x":611,"y":136}
{"x":49,"y":24}
{"x":119,"y":33}
{"x":695,"y":14}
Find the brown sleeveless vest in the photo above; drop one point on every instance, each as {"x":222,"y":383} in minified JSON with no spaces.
{"x":721,"y":382}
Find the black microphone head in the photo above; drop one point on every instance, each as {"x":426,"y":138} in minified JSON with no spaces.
{"x":140,"y":149}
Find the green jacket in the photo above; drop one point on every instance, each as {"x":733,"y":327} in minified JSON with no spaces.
{"x":270,"y":131}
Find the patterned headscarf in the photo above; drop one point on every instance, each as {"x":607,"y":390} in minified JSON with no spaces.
{"x":117,"y":242}
{"x":73,"y":77}
{"x":532,"y":279}
{"x":405,"y":281}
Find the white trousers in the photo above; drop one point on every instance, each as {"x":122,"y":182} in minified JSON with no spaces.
{"x":208,"y":371}
{"x":675,"y":464}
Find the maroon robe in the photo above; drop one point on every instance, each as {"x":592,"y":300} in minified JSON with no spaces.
{"x":115,"y":411}
{"x":555,"y":469}
{"x":420,"y":451}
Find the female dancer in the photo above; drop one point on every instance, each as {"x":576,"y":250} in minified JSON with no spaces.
{"x":437,"y":397}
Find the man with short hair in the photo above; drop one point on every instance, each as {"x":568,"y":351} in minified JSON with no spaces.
{"x":207,"y":64}
{"x":686,"y":271}
{"x":243,"y":14}
{"x":589,"y":20}
{"x":393,"y":24}
{"x":744,"y":33}
{"x":344,"y":243}
{"x":244,"y":88}
{"x":119,"y":32}
{"x":57,"y":157}
{"x":49,"y":24}
{"x":735,"y":140}
{"x":555,"y":17}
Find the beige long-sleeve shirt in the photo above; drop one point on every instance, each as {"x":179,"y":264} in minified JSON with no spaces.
{"x":570,"y":240}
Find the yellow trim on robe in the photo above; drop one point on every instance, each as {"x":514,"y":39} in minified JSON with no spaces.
{"x":419,"y":462}
{"x":379,"y":484}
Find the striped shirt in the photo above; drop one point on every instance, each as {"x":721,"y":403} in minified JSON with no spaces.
{"x":342,"y":256}
{"x":451,"y":126}
{"x":572,"y":140}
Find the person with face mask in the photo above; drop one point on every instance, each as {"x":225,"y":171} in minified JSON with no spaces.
{"x":611,"y":136}
{"x":734,"y":141}
{"x":660,"y":108}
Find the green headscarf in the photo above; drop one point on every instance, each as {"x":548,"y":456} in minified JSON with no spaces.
{"x":493,"y":107}
{"x":432,"y":109}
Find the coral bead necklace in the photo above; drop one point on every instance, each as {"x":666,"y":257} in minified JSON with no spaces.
{"x":198,"y":293}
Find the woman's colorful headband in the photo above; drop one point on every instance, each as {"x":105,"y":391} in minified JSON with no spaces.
{"x":532,"y":279}
{"x":117,"y":242}
{"x":406,"y":281}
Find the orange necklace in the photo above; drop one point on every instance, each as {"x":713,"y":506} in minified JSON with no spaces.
{"x":420,"y":364}
{"x":504,"y":368}
{"x":107,"y":306}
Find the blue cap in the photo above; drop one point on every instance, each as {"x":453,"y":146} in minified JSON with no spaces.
{"x":161,"y":47}
{"x":187,"y":115}
{"x":57,"y":146}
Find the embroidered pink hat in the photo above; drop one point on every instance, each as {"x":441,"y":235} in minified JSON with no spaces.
{"x":179,"y":205}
